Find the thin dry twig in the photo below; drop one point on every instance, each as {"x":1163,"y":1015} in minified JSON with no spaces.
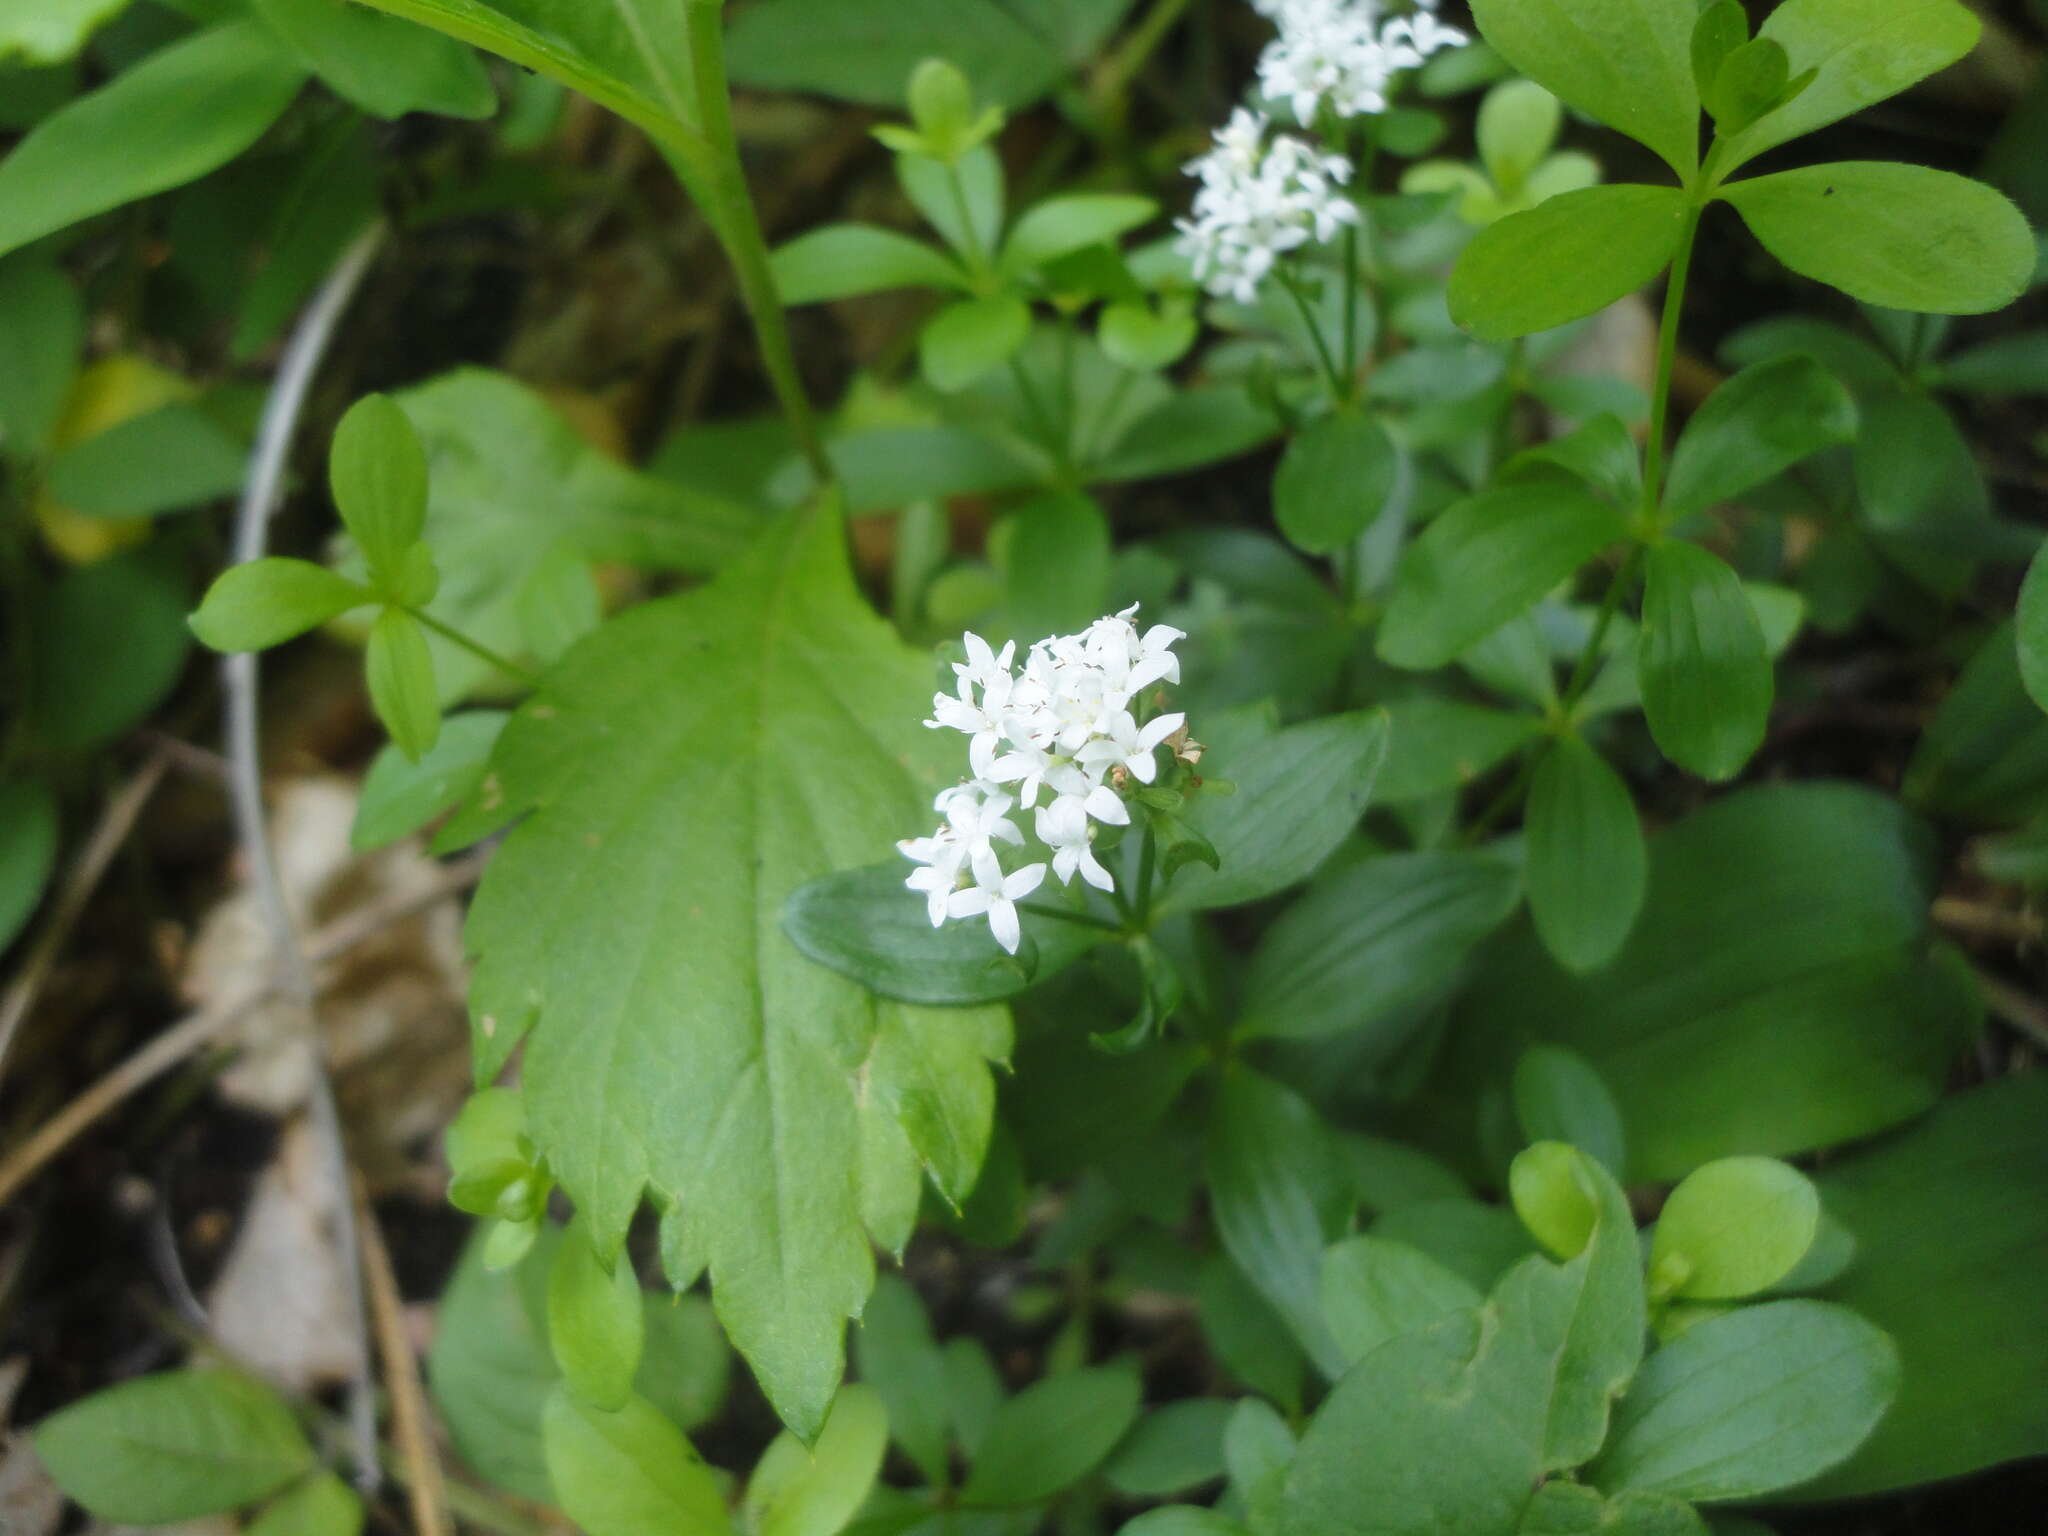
{"x":199,"y":1029}
{"x":2023,"y":1013}
{"x":116,"y":822}
{"x":1988,"y":922}
{"x":426,"y":1489}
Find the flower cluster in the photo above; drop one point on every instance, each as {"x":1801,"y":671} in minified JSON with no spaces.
{"x":1064,"y":725}
{"x":1344,"y":53}
{"x":1260,"y":198}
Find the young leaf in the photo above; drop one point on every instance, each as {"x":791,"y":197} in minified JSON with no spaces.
{"x":322,"y":1505}
{"x":1560,"y":1097}
{"x":1518,"y":122}
{"x":1060,"y":225}
{"x":1743,"y":1405}
{"x":1487,"y":560}
{"x":1734,"y":1228}
{"x":1862,"y":51}
{"x":1901,"y":236}
{"x":378,"y":471}
{"x":1587,"y":865}
{"x":28,"y":849}
{"x":1723,"y":27}
{"x":1374,"y":1289}
{"x":628,"y":1473}
{"x":1133,"y":335}
{"x":800,"y":1490}
{"x":1333,"y":481}
{"x":968,"y":338}
{"x":1755,"y":427}
{"x":1706,"y":676}
{"x":595,"y":1320}
{"x":1748,"y":84}
{"x":385,"y":66}
{"x":1625,"y":62}
{"x":1051,"y":1435}
{"x":1280,"y":1197}
{"x":400,"y":673}
{"x":261,"y":603}
{"x":734,"y":1073}
{"x":173,"y":1447}
{"x":1375,"y":937}
{"x":842,"y":261}
{"x":186,"y":109}
{"x":1565,"y":258}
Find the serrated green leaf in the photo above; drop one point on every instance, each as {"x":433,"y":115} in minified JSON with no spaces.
{"x":399,"y":670}
{"x":1705,"y":670}
{"x":265,"y":602}
{"x":1902,"y":236}
{"x":1627,"y":63}
{"x":1586,"y":860}
{"x":183,"y":111}
{"x":1565,"y":259}
{"x":1052,"y":1434}
{"x":678,"y":1040}
{"x":1756,"y":1401}
{"x":628,"y":1473}
{"x":841,"y":261}
{"x":172,"y":1447}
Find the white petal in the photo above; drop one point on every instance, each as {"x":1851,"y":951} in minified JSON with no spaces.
{"x":969,"y":903}
{"x":1105,"y":805}
{"x":1002,"y":922}
{"x":1144,"y":765}
{"x":1093,"y":872}
{"x":1021,"y":884}
{"x":1158,"y":730}
{"x":935,"y":906}
{"x":987,"y":872}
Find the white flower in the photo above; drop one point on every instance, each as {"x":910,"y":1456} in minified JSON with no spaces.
{"x":1344,"y":54}
{"x":1258,"y":200}
{"x":1066,"y":719}
{"x":997,"y":894}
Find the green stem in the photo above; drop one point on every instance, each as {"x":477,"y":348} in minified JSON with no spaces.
{"x":1116,"y":72}
{"x":739,"y":229}
{"x":1667,"y":356}
{"x":1610,"y":603}
{"x":1069,"y":915}
{"x":1148,"y":863}
{"x":482,"y":652}
{"x":1315,"y":333}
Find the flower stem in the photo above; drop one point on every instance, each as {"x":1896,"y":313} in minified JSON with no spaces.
{"x":1148,"y":864}
{"x":482,"y":652}
{"x":1315,"y":333}
{"x":1667,"y":355}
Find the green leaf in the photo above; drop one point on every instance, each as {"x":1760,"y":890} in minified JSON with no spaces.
{"x":1060,"y":225}
{"x":381,"y":64}
{"x":1748,"y":84}
{"x":1280,"y":1197}
{"x":1056,"y":555}
{"x":513,"y":483}
{"x":865,"y":925}
{"x":1181,"y":1520}
{"x":28,"y":851}
{"x":1173,"y":1449}
{"x":1560,"y":1097}
{"x":2030,"y":631}
{"x":399,"y":670}
{"x":1471,"y":1239}
{"x":163,"y":461}
{"x":1586,"y":859}
{"x":1901,"y":236}
{"x":1573,"y":1509}
{"x":334,"y":193}
{"x":42,"y":330}
{"x":1862,"y":51}
{"x":323,"y":1505}
{"x":1565,"y":258}
{"x":1761,"y":1399}
{"x":1373,"y":938}
{"x":1782,"y":945}
{"x":1249,"y":1339}
{"x":1627,"y":63}
{"x":628,"y":1473}
{"x":1374,"y":1289}
{"x":1706,"y":674}
{"x":53,"y":32}
{"x":893,"y":1346}
{"x":1734,"y":1228}
{"x":1133,"y":335}
{"x":1051,"y":1435}
{"x":962,"y":201}
{"x":864,"y":50}
{"x":841,"y":261}
{"x":172,"y":1447}
{"x":1947,"y":1215}
{"x":183,"y":111}
{"x":399,"y":797}
{"x":1436,"y":744}
{"x":1722,"y":28}
{"x":1487,"y":560}
{"x":677,"y":1039}
{"x":1518,"y":123}
{"x":110,"y":641}
{"x":1333,"y":481}
{"x":265,"y":602}
{"x":799,"y":1490}
{"x":1984,"y":759}
{"x":378,"y":471}
{"x":1754,"y":428}
{"x":967,"y":339}
{"x":596,"y":1323}
{"x":2005,"y":365}
{"x":1299,"y":793}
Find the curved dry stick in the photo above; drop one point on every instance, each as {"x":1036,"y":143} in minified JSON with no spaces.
{"x":426,"y":1488}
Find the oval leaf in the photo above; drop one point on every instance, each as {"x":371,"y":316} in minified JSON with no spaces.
{"x":628,"y":1473}
{"x":840,"y":261}
{"x":261,"y":603}
{"x":1587,"y":863}
{"x":377,"y":469}
{"x":1565,"y":259}
{"x":596,"y":1323}
{"x":399,"y":670}
{"x":1052,"y":1434}
{"x":1333,"y":480}
{"x":1705,"y":671}
{"x":1734,"y":1228}
{"x":1754,"y":428}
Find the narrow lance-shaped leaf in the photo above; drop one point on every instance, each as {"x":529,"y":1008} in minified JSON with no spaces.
{"x":1587,"y":862}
